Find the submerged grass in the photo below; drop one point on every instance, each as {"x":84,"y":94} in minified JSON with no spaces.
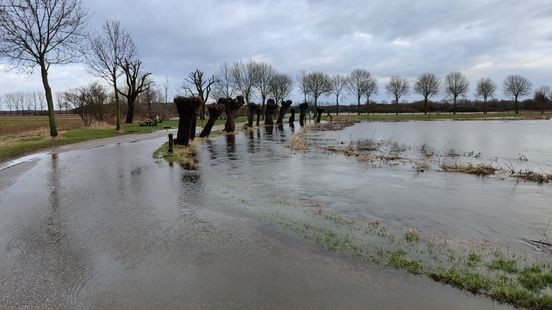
{"x":186,"y":156}
{"x":516,"y":280}
{"x":481,"y":169}
{"x":298,"y":142}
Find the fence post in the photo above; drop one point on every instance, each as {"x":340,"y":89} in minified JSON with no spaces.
{"x":171,"y":143}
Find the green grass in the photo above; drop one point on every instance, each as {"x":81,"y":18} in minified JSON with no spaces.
{"x":411,"y":236}
{"x":512,"y":280}
{"x":507,"y":265}
{"x":24,"y":135}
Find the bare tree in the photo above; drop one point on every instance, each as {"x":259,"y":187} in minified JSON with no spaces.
{"x":106,"y":50}
{"x":371,"y":89}
{"x":516,"y":86}
{"x":60,"y":99}
{"x":485,"y":89}
{"x":339,"y":86}
{"x":202,"y":87}
{"x":427,"y":85}
{"x":542,"y":97}
{"x":280,"y":87}
{"x":397,"y":87}
{"x":264,"y":73}
{"x":245,"y":76}
{"x":18,"y":99}
{"x":358,"y":84}
{"x":303,"y":85}
{"x":224,"y":82}
{"x":42,"y":33}
{"x":10,"y":102}
{"x":318,"y":84}
{"x":136,"y":83}
{"x":456,"y":84}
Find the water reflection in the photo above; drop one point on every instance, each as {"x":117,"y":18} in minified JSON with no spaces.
{"x":231,"y":146}
{"x":251,"y":141}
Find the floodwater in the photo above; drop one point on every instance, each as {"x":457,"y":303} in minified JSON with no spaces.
{"x":503,"y":211}
{"x":110,"y":227}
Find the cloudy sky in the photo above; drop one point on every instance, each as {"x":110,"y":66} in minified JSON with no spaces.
{"x":481,"y":38}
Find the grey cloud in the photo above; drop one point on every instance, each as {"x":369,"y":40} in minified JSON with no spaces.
{"x":479,"y":37}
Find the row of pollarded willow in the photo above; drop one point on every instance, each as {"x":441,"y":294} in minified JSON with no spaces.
{"x":187,"y":108}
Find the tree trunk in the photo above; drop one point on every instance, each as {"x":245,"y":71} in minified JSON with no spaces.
{"x":337,"y":105}
{"x":231,"y":106}
{"x":258,"y":111}
{"x":358,"y":105}
{"x":425,"y":105}
{"x":292,"y":117}
{"x":270,"y":108}
{"x":396,"y":105}
{"x":193,"y":126}
{"x":202,"y":113}
{"x":251,"y":109}
{"x":283,"y":111}
{"x":516,"y":104}
{"x":130,"y":112}
{"x":319,"y":115}
{"x":49,"y":100}
{"x":454,"y":106}
{"x":186,"y":107}
{"x":303,"y":113}
{"x":117,"y":104}
{"x":263,"y":106}
{"x":485,"y":105}
{"x":215,"y":111}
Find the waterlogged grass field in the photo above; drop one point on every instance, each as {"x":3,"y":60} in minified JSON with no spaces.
{"x":480,"y":268}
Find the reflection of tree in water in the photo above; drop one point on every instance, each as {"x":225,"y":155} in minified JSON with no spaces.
{"x":251,"y":142}
{"x":191,"y":180}
{"x":211,"y":149}
{"x":269,"y":130}
{"x":54,"y":228}
{"x":231,"y":147}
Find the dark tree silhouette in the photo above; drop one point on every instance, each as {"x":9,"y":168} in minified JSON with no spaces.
{"x":339,"y":86}
{"x":137,"y":82}
{"x":251,"y":112}
{"x":456,"y":84}
{"x":292,"y":117}
{"x":319,"y":112}
{"x":271,"y":108}
{"x":231,"y":106}
{"x":202,"y":87}
{"x":516,"y":86}
{"x":303,"y":107}
{"x":485,"y":89}
{"x":397,"y":87}
{"x":283,"y":110}
{"x":186,"y":107}
{"x":427,"y":85}
{"x":542,"y":97}
{"x":215,"y":111}
{"x":258,"y":111}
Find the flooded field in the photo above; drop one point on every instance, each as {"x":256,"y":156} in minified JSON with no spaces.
{"x":262,"y":226}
